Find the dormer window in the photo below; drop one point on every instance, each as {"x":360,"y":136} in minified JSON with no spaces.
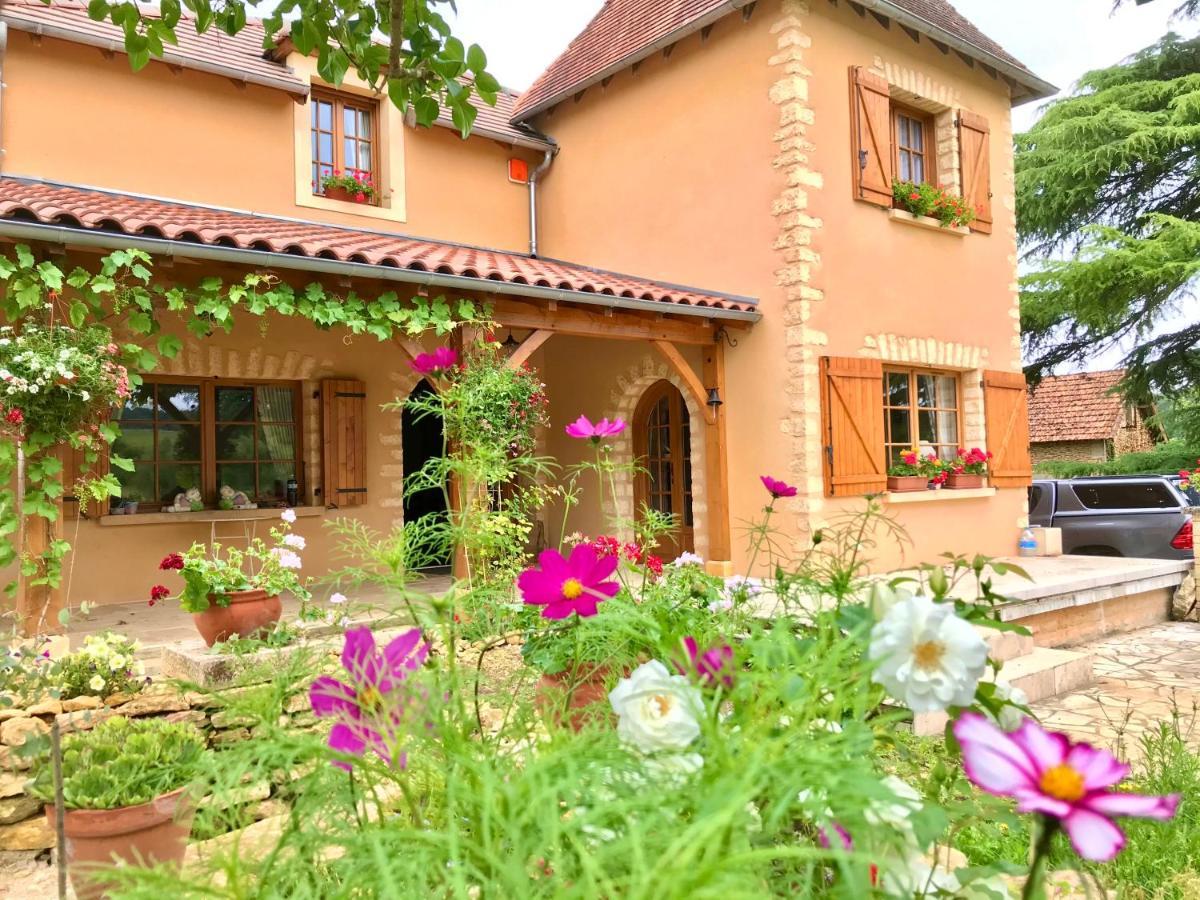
{"x":343,"y":137}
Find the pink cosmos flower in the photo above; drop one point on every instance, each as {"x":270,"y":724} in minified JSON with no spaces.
{"x":583,"y":429}
{"x":840,"y":833}
{"x":369,"y":706}
{"x":713,"y":667}
{"x":1046,"y":773}
{"x":777,"y":488}
{"x":572,"y":585}
{"x":438,"y":362}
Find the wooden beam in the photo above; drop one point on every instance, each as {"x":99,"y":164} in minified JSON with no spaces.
{"x":716,"y":459}
{"x":690,"y":379}
{"x":528,"y":347}
{"x":912,"y":33}
{"x":882,"y":19}
{"x":620,"y":325}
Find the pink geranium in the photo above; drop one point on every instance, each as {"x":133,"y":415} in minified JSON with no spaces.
{"x":584,"y":429}
{"x":370,"y":705}
{"x":1065,"y":782}
{"x":569,"y":585}
{"x":438,"y":362}
{"x":777,"y":488}
{"x":713,"y":667}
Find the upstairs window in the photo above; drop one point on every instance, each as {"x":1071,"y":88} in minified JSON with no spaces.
{"x":343,"y":136}
{"x":912,"y":138}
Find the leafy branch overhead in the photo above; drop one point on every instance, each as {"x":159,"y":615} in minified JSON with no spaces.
{"x":404,"y":49}
{"x":1108,"y":210}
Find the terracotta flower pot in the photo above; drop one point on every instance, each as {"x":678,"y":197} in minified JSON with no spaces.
{"x":338,"y":193}
{"x":964,"y":481}
{"x":905,"y":483}
{"x":248,"y":613}
{"x":589,"y":688}
{"x":145,"y":835}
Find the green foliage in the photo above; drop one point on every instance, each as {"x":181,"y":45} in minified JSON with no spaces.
{"x":1109,"y":173}
{"x":105,"y":664}
{"x":1164,"y":459}
{"x":924,"y":199}
{"x":122,"y":298}
{"x":423,"y":66}
{"x":123,"y":762}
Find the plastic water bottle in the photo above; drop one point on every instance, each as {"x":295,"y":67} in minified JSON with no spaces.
{"x":1027,"y":546}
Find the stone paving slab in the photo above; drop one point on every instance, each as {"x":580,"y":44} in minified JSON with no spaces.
{"x":1143,"y":678}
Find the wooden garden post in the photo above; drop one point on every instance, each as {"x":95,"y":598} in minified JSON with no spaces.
{"x":716,"y":464}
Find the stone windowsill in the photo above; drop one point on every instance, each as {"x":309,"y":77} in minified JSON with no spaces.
{"x":927,"y":222}
{"x":206,"y":515}
{"x":940,"y":495}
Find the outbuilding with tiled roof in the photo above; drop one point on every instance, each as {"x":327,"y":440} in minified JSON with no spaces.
{"x":1083,"y":417}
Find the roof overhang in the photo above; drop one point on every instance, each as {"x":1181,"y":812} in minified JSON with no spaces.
{"x":105,"y":240}
{"x":170,"y":56}
{"x":1034,"y":88}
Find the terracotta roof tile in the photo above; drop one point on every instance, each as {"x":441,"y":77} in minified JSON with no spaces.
{"x":75,"y":207}
{"x":1075,"y":407}
{"x":242,"y":52}
{"x":625,"y":30}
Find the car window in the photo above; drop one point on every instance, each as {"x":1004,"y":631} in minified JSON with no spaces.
{"x":1134,"y":495}
{"x":1035,"y":496}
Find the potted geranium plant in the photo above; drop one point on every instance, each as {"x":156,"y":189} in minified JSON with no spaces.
{"x":126,"y":797}
{"x":234,"y":592}
{"x":927,"y":201}
{"x":968,"y":468}
{"x":914,"y":472}
{"x":350,"y":186}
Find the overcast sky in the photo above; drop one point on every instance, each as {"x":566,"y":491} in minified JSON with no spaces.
{"x":1058,"y":39}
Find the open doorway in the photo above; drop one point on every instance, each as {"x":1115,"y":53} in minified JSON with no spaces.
{"x":422,"y":440}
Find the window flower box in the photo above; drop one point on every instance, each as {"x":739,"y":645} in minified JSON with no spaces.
{"x":907,"y":218}
{"x":906,"y":483}
{"x":963,"y":481}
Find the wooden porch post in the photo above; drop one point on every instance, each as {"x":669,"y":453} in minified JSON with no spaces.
{"x":38,"y":606}
{"x":716,"y":464}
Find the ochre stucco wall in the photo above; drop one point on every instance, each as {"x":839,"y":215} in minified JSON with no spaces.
{"x":72,"y":115}
{"x":728,"y":165}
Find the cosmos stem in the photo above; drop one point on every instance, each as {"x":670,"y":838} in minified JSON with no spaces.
{"x":1035,"y":883}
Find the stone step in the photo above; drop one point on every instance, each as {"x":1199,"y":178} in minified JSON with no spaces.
{"x":1044,"y":672}
{"x":1007,"y":645}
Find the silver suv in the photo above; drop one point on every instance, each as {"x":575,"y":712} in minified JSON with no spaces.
{"x":1139,"y":515}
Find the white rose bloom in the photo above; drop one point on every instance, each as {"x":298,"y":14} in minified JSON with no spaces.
{"x":655,"y":709}
{"x":916,"y":878}
{"x":897,"y":812}
{"x":97,"y":683}
{"x":928,"y":657}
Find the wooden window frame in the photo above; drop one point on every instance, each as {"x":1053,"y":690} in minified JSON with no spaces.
{"x":340,"y":101}
{"x":914,"y":409}
{"x":928,"y":135}
{"x":208,"y":430}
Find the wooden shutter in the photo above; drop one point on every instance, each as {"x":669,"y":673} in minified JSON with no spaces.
{"x":1006,"y":413}
{"x":974,"y":145}
{"x":344,"y":442}
{"x":73,"y":469}
{"x":852,"y":425}
{"x":871,"y":137}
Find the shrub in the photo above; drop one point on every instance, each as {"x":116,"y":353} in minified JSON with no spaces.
{"x":124,"y":762}
{"x":1165,"y":459}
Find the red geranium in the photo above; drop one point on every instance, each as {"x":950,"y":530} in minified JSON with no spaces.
{"x":14,"y":417}
{"x":159,"y":592}
{"x":171,"y":561}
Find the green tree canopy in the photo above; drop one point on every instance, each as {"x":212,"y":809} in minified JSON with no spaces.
{"x":1108,"y":210}
{"x":403,"y":48}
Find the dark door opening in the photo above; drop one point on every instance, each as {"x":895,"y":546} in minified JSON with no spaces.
{"x":422,"y":441}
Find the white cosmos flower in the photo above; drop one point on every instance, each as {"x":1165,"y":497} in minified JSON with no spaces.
{"x":896,"y":813}
{"x":928,"y":657}
{"x":916,"y":878}
{"x":655,"y":709}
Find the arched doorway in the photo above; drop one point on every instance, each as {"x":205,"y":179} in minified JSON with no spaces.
{"x":662,"y":445}
{"x":421,"y":435}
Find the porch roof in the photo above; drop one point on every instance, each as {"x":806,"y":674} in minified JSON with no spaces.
{"x":41,"y":210}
